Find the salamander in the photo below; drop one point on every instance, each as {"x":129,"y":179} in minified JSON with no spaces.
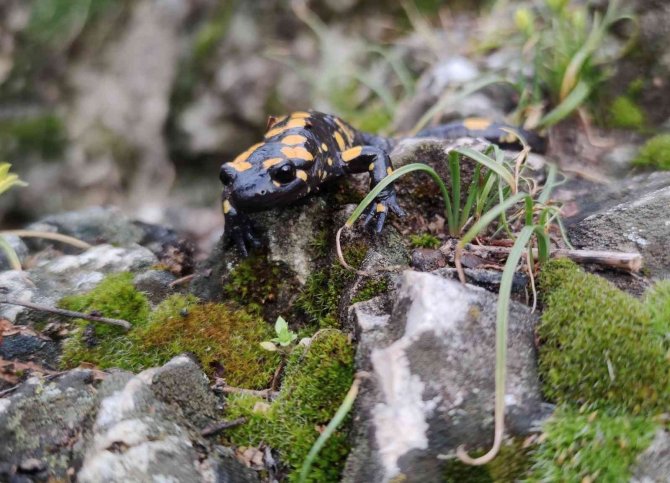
{"x":302,"y":151}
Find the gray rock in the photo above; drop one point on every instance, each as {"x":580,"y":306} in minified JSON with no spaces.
{"x":432,"y":389}
{"x":47,"y":423}
{"x":149,"y":430}
{"x":19,"y":248}
{"x":155,"y":284}
{"x":30,"y":347}
{"x":50,"y":280}
{"x":93,"y":225}
{"x":653,"y":465}
{"x":640,"y":225}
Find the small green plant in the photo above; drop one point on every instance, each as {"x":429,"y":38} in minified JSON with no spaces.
{"x":655,"y":153}
{"x":285,"y":336}
{"x":566,"y":43}
{"x":424,"y":240}
{"x":9,"y":180}
{"x":624,"y":113}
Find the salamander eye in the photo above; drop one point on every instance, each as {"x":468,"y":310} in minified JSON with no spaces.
{"x":284,"y":173}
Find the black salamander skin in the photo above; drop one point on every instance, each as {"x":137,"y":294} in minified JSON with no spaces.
{"x":302,"y":151}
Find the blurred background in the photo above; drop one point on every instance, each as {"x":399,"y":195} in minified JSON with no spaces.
{"x":136,"y":103}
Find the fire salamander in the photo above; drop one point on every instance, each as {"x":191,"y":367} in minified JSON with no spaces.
{"x":302,"y":151}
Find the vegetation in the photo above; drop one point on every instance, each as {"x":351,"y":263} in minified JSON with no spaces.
{"x":590,"y":446}
{"x":225,"y":341}
{"x":316,"y":381}
{"x":655,"y":153}
{"x":624,"y":113}
{"x":424,"y":240}
{"x":599,"y":346}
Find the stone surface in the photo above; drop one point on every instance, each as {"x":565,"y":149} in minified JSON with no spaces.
{"x":638,"y":225}
{"x":653,"y":464}
{"x":50,"y":280}
{"x":128,"y":428}
{"x":432,"y":360}
{"x":155,"y":284}
{"x":19,"y":248}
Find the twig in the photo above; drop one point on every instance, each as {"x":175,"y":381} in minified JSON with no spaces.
{"x":221,"y":426}
{"x":629,"y":262}
{"x":69,"y":313}
{"x":181,"y":280}
{"x":265,"y":393}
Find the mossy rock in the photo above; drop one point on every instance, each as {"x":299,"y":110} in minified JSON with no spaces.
{"x":315,"y":383}
{"x":590,"y":446}
{"x":599,"y":345}
{"x":655,"y":153}
{"x":511,"y":464}
{"x":225,"y":340}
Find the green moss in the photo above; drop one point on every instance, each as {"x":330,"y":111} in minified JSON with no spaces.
{"x":44,"y":136}
{"x":315,"y":383}
{"x":424,"y":240}
{"x":369,"y":289}
{"x":655,"y":153}
{"x":590,"y":447}
{"x":321,"y":295}
{"x":221,"y":338}
{"x":114,"y":297}
{"x":598,"y":344}
{"x":254,"y":282}
{"x":624,"y":113}
{"x":657,"y":300}
{"x":225,"y":340}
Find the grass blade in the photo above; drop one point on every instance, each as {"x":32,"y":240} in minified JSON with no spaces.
{"x":489,"y":163}
{"x":575,"y":99}
{"x":10,"y":253}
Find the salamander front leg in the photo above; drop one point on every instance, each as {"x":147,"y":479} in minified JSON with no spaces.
{"x":237,"y":227}
{"x":377,"y":162}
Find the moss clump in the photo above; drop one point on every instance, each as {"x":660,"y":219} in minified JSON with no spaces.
{"x":655,"y":153}
{"x":224,"y":340}
{"x":624,"y":113}
{"x":316,"y":381}
{"x":254,"y":283}
{"x":598,"y":344}
{"x":657,"y":300}
{"x":320,"y":298}
{"x":370,"y":288}
{"x":221,"y":338}
{"x":424,"y":240}
{"x":590,"y":447}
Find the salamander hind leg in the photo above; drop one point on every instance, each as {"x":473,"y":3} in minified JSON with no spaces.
{"x":376,"y":161}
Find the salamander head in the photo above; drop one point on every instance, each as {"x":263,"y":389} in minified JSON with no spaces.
{"x":265,"y":175}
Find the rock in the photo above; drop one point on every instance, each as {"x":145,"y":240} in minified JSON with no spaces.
{"x":28,"y":346}
{"x":427,"y":259}
{"x":43,"y":425}
{"x":653,"y":465}
{"x":148,"y":430}
{"x":19,"y":247}
{"x":129,"y":428}
{"x":639,"y":225}
{"x":50,"y":280}
{"x":155,"y":284}
{"x":433,"y":363}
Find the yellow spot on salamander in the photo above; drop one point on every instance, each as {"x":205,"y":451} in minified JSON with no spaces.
{"x":508,"y":138}
{"x":275,"y":132}
{"x":371,"y":167}
{"x":476,"y":123}
{"x":268,"y":163}
{"x":389,"y":170}
{"x":351,"y":153}
{"x":276,"y":183}
{"x":330,"y":161}
{"x":295,"y":123}
{"x":380,"y":208}
{"x":340,"y":141}
{"x":299,"y":115}
{"x":289,"y":125}
{"x":294,"y":139}
{"x":298,"y":152}
{"x":301,"y":174}
{"x":226,"y":207}
{"x":324,"y":146}
{"x":240,"y":163}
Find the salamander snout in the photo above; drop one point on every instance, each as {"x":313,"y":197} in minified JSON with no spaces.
{"x":227,"y":174}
